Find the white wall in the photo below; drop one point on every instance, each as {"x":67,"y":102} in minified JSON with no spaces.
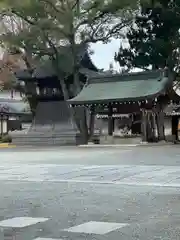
{"x":7,"y":95}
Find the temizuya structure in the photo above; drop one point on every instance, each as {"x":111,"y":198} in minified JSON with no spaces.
{"x":142,"y":92}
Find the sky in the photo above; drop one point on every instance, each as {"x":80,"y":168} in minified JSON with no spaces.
{"x":104,"y":54}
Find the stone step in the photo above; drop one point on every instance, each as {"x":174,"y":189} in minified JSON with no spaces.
{"x":43,"y":136}
{"x":46,"y":140}
{"x":52,"y":126}
{"x":36,"y":144}
{"x":43,"y":143}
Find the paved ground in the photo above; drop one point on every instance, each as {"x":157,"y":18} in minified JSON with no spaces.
{"x":104,"y":193}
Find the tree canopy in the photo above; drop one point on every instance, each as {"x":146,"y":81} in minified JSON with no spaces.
{"x":60,"y":22}
{"x":154,"y":40}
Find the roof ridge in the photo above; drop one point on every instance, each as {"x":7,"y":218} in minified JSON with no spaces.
{"x":128,"y":74}
{"x":146,"y":75}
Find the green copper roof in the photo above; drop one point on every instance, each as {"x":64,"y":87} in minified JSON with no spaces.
{"x":122,"y":87}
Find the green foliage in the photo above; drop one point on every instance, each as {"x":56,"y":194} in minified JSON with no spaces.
{"x":154,"y":37}
{"x":6,"y":138}
{"x":10,"y":84}
{"x":46,"y":22}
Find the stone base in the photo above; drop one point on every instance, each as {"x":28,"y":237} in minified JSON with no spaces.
{"x":106,"y":139}
{"x":45,"y":139}
{"x":161,"y":141}
{"x":119,"y":140}
{"x":144,"y":142}
{"x":52,"y":125}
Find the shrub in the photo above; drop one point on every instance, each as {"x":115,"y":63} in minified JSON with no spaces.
{"x":6,"y":139}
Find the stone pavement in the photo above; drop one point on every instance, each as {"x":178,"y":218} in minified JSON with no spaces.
{"x":131,"y":175}
{"x":90,"y":194}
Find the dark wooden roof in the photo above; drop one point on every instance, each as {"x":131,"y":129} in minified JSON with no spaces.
{"x":122,"y":87}
{"x":23,"y":74}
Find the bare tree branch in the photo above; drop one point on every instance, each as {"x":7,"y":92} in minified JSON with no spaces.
{"x":87,"y":21}
{"x":76,"y":4}
{"x":49,"y":2}
{"x":23,"y":17}
{"x":93,"y":38}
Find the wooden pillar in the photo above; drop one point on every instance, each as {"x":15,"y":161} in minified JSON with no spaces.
{"x":160,"y":125}
{"x":150,"y":127}
{"x":113,"y":124}
{"x":154,"y":125}
{"x":1,"y":119}
{"x":12,"y":93}
{"x":174,"y":127}
{"x":144,"y":125}
{"x":91,"y":122}
{"x":110,"y":120}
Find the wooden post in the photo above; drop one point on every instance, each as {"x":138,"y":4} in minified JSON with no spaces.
{"x":154,"y":124}
{"x":1,"y":124}
{"x":91,"y":122}
{"x":160,"y":125}
{"x":110,"y":121}
{"x":174,"y":127}
{"x":150,"y":127}
{"x":144,"y":126}
{"x":113,"y":124}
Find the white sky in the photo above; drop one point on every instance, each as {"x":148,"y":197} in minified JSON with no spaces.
{"x":104,"y":54}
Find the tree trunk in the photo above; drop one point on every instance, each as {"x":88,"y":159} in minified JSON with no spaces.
{"x":83,"y":122}
{"x":27,"y":57}
{"x":30,"y":88}
{"x":83,"y":126}
{"x":30,"y":91}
